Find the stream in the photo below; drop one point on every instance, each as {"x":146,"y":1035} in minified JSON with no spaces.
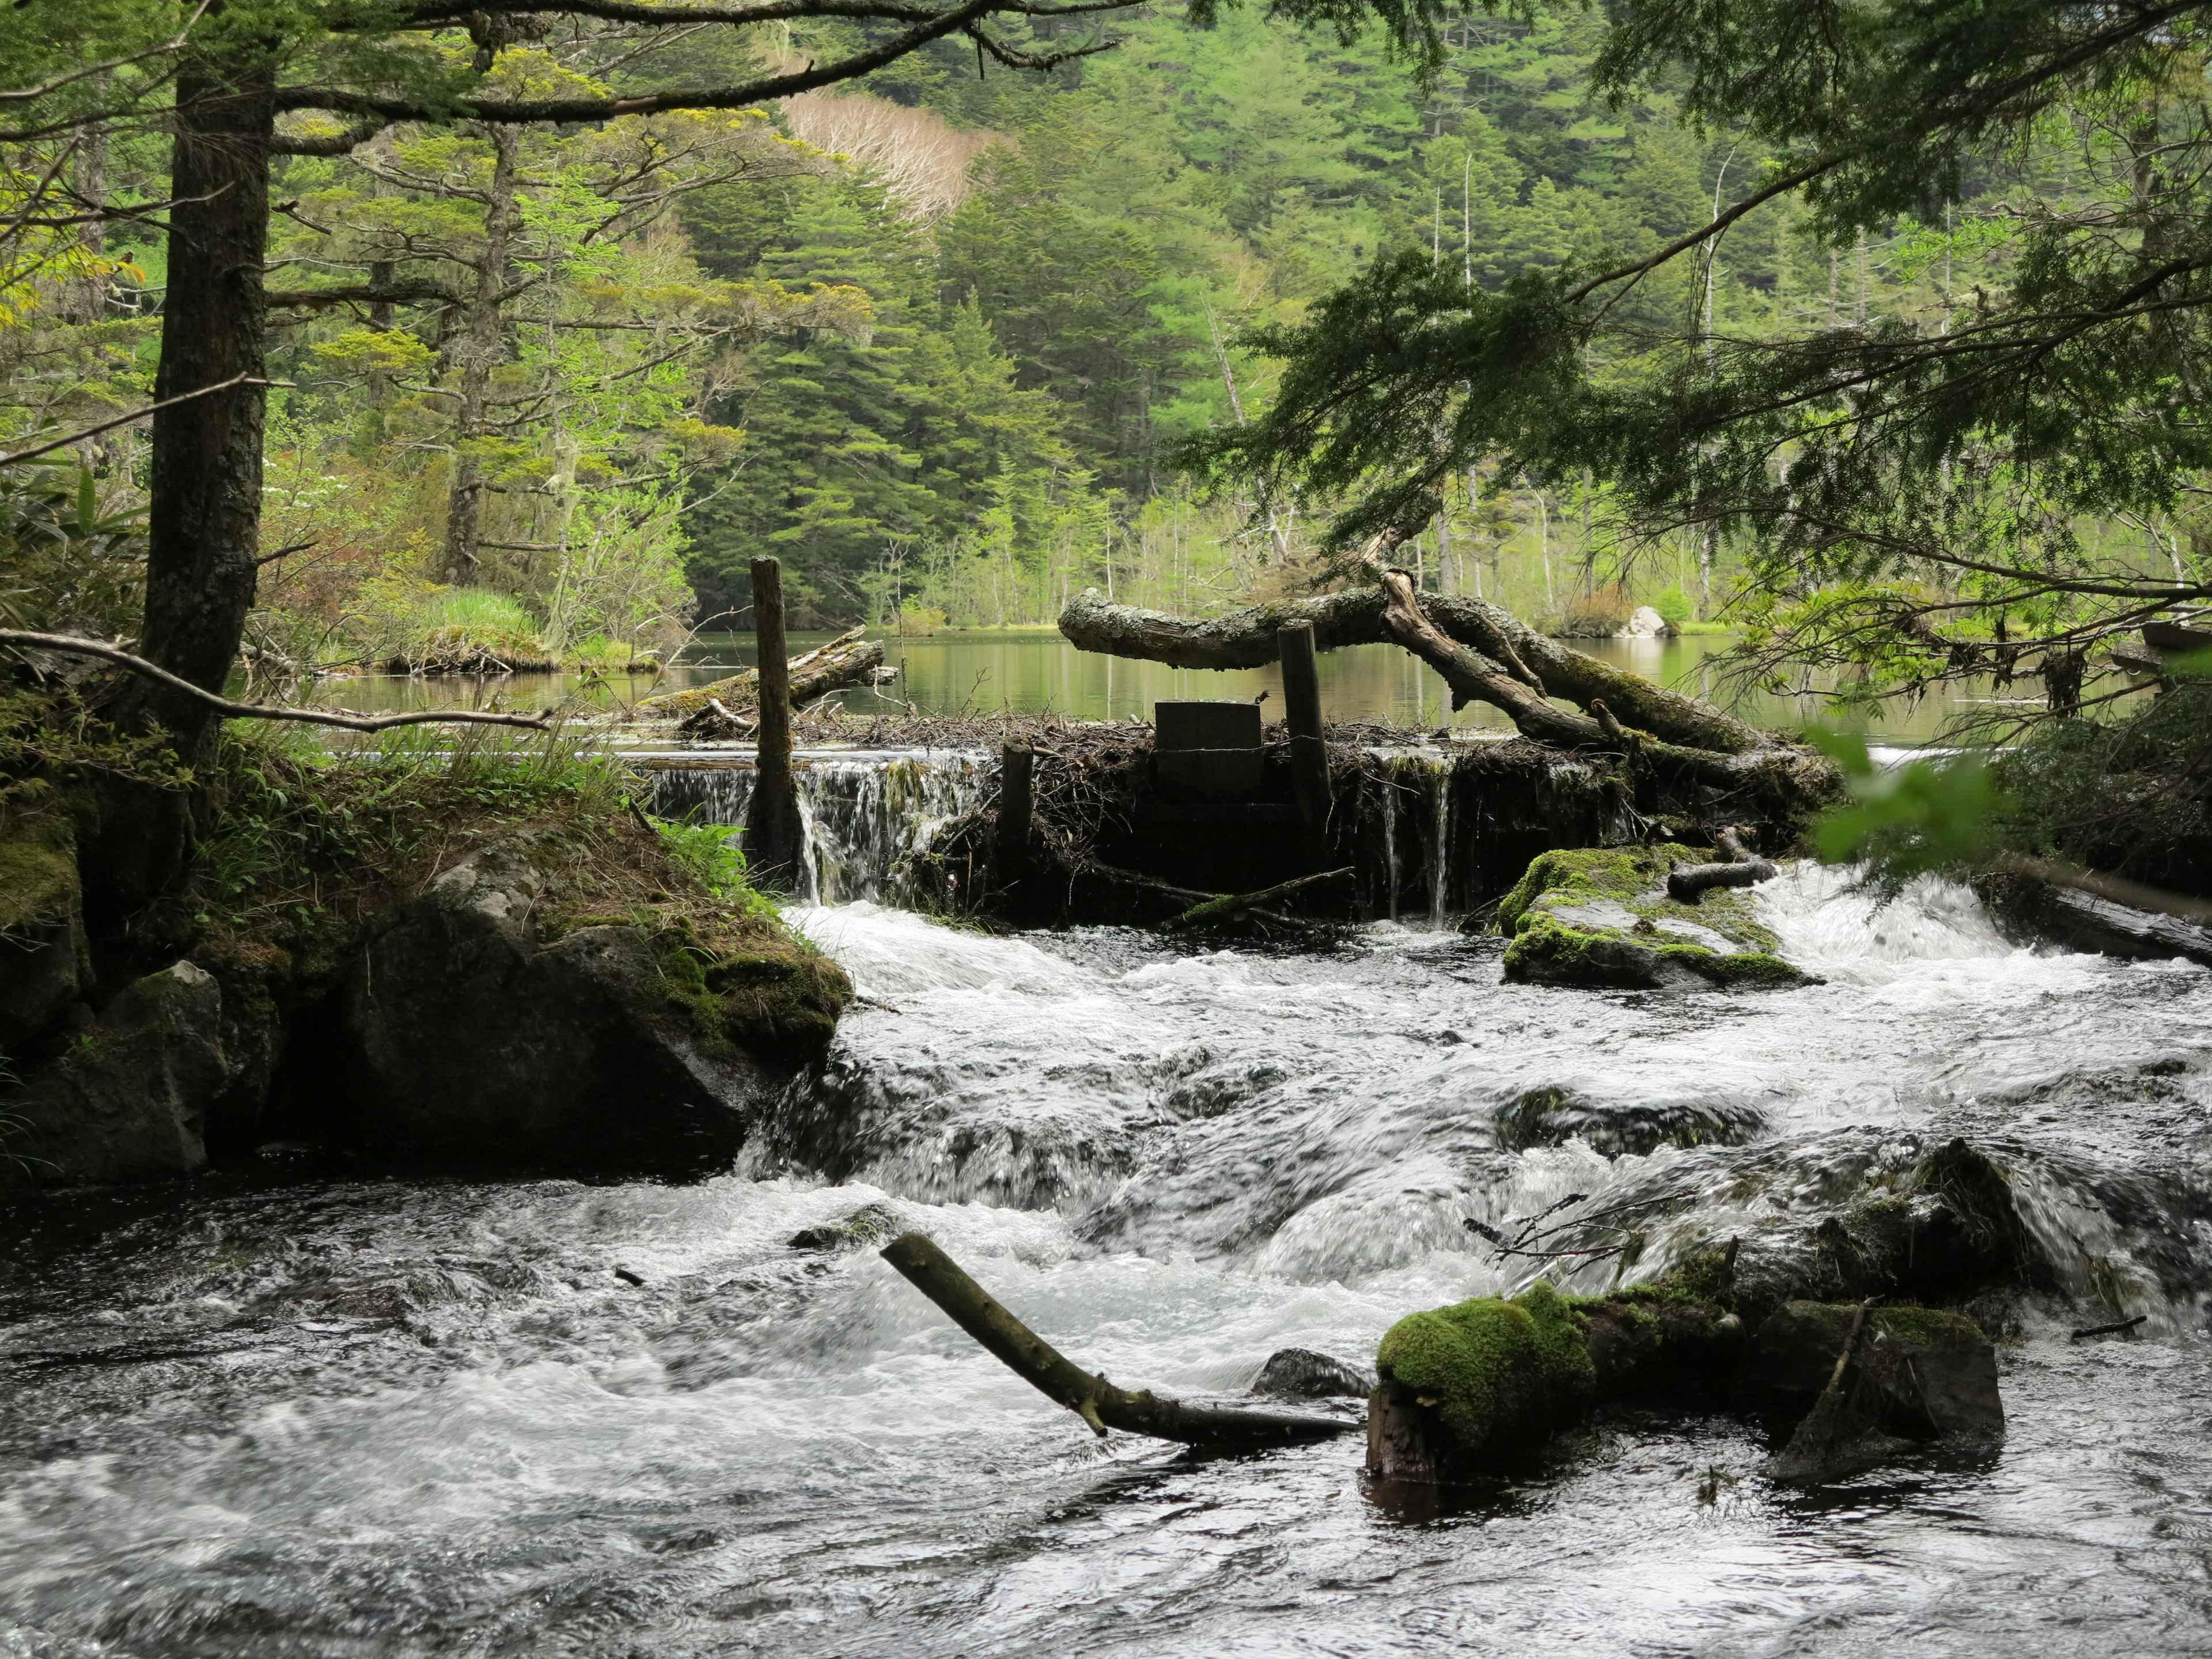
{"x":275,"y":1417}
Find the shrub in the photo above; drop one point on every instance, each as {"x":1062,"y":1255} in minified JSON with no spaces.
{"x":1675,"y":606}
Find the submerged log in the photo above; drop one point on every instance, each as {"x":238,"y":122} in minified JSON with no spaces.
{"x":1090,"y":1397}
{"x":850,"y":659}
{"x":1229,"y":909}
{"x":1248,"y":639}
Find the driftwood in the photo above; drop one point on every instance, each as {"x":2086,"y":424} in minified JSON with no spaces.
{"x":1248,"y":639}
{"x":1090,"y":1397}
{"x":849,"y":659}
{"x":1230,"y":908}
{"x":1738,"y":867}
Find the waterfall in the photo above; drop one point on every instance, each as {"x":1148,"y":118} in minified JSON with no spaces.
{"x":867,"y":816}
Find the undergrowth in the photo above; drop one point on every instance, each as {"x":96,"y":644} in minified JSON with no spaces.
{"x":300,"y":834}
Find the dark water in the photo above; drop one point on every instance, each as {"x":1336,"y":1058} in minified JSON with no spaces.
{"x":401,"y":1418}
{"x":982,"y":673}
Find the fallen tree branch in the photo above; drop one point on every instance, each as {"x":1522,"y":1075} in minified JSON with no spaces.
{"x":24,"y":639}
{"x":1738,"y":866}
{"x":1248,"y":639}
{"x":1232,"y":906}
{"x":850,"y":659}
{"x":1091,"y":1398}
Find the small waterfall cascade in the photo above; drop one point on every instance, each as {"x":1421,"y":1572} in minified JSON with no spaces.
{"x":1436,"y":832}
{"x":868,"y":818}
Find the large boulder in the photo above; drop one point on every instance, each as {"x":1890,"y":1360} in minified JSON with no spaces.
{"x":480,"y":1024}
{"x":1600,"y":918}
{"x":126,"y":1098}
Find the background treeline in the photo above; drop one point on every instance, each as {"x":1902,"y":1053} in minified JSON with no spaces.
{"x":933,"y":341}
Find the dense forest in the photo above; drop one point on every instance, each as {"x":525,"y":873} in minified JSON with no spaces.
{"x":933,"y":338}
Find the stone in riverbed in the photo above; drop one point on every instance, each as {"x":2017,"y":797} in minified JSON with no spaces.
{"x":1600,"y":918}
{"x":873,"y":1224}
{"x":1914,"y":1376}
{"x":1302,"y":1373}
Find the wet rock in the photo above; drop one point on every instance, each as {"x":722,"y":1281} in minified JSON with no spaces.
{"x":464,"y":1029}
{"x":45,"y":963}
{"x":1913,"y":1375}
{"x":1600,"y":918}
{"x":126,"y":1098}
{"x":877,"y":1224}
{"x":1552,"y":1117}
{"x":1942,"y":1229}
{"x":1302,"y":1373}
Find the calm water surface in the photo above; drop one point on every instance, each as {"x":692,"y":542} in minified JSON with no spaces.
{"x":984,"y":672}
{"x":393,"y":1418}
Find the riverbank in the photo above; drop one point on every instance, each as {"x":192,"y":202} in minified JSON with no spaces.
{"x":449,"y":949}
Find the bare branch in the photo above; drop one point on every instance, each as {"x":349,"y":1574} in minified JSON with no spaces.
{"x":106,"y":651}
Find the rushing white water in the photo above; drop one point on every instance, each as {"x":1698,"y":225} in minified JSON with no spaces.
{"x":405,"y":1418}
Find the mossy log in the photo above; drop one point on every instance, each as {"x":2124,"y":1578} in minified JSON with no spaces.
{"x":1096,"y":1401}
{"x":850,"y":659}
{"x":1481,"y":1388}
{"x":1248,"y":639}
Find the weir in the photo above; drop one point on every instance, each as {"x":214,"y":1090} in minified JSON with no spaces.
{"x":1431,"y":833}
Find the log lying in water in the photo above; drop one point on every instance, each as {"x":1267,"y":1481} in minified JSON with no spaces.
{"x":1248,"y":639}
{"x":1091,"y":1398}
{"x":1737,"y":867}
{"x":848,"y":660}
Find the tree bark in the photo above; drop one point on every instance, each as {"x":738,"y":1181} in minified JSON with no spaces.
{"x":205,"y":473}
{"x":1247,"y":639}
{"x":479,"y":354}
{"x":1090,"y":1397}
{"x":847,"y":660}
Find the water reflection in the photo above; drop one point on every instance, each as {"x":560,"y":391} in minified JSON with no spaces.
{"x":982,"y":674}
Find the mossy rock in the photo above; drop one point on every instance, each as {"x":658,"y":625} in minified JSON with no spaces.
{"x":872,"y":1223}
{"x":44,"y":960}
{"x":1502,"y":1375}
{"x":1599,"y":919}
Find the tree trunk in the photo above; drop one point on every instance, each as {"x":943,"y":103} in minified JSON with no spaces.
{"x":479,"y":354}
{"x":204,"y":523}
{"x":1247,"y":639}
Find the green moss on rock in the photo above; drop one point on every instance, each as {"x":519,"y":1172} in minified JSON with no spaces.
{"x":1600,"y":918}
{"x":38,"y":871}
{"x":1504,"y":1375}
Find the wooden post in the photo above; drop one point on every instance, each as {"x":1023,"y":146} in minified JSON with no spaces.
{"x":774,"y":839}
{"x":1017,"y":801}
{"x":1309,"y":752}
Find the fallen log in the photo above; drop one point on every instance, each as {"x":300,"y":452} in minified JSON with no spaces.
{"x":1738,"y":866}
{"x":1090,"y":1397}
{"x":1230,"y":907}
{"x":850,"y":659}
{"x":1248,"y":639}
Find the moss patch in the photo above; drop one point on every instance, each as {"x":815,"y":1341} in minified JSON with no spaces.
{"x":37,"y":870}
{"x":1503,"y":1374}
{"x":1600,"y":918}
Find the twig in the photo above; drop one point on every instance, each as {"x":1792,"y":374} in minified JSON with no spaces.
{"x":22,"y":638}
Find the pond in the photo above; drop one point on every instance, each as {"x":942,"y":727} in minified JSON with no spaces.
{"x":983,"y":672}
